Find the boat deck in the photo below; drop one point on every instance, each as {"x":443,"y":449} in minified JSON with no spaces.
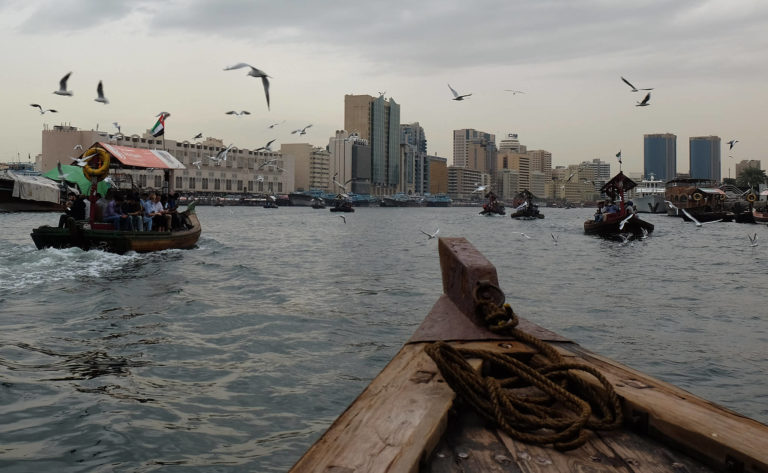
{"x":409,"y":419}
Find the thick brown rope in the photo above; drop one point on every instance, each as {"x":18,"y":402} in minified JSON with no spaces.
{"x":544,"y":401}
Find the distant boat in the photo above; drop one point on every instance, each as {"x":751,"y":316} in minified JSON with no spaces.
{"x":525,"y":209}
{"x":24,"y":190}
{"x":342,"y":203}
{"x":618,"y":224}
{"x":437,"y":200}
{"x":493,"y":206}
{"x":649,"y":195}
{"x":700,"y":197}
{"x":318,"y":203}
{"x":400,"y":199}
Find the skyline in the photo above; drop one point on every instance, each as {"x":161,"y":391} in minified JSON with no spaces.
{"x":706,"y":62}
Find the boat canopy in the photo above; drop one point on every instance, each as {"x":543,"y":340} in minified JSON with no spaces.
{"x":619,"y":183}
{"x":709,"y":190}
{"x":142,"y":158}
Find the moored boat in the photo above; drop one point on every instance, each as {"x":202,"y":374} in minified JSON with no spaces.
{"x":478,"y":388}
{"x":616,"y":221}
{"x":22,"y":191}
{"x":649,"y":195}
{"x":437,"y":200}
{"x":760,"y":217}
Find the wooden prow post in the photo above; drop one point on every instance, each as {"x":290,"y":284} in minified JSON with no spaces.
{"x":462,"y":267}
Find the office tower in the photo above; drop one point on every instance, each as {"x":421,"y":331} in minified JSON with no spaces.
{"x":377,"y":120}
{"x":438,"y":175}
{"x":474,"y":149}
{"x":660,"y":155}
{"x":350,"y":163}
{"x":414,"y":173}
{"x":704,"y":157}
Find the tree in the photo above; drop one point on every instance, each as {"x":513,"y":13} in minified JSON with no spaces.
{"x":751,"y":177}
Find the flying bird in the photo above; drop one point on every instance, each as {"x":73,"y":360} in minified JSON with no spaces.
{"x":100,"y":93}
{"x":267,"y":147}
{"x":254,"y":72}
{"x":634,"y":89}
{"x":76,"y":147}
{"x":555,"y":237}
{"x":671,"y":205}
{"x":267,"y":163}
{"x":242,"y":112}
{"x":343,"y":218}
{"x":63,"y":86}
{"x":164,"y":115}
{"x":479,"y":188}
{"x":275,"y":124}
{"x":731,"y":143}
{"x":82,"y":161}
{"x":624,"y":222}
{"x":117,"y":125}
{"x":221,"y":155}
{"x":301,"y":131}
{"x":645,"y":234}
{"x":752,"y":240}
{"x":197,"y":136}
{"x":43,"y":110}
{"x":644,"y":102}
{"x":430,"y":235}
{"x":523,"y":234}
{"x":514,"y":92}
{"x":259,"y":178}
{"x":456,"y":95}
{"x":197,"y":163}
{"x":693,"y":219}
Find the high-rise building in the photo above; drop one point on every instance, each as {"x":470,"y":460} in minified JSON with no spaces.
{"x":377,"y":120}
{"x":660,"y":155}
{"x":747,"y":163}
{"x":474,"y":149}
{"x":704,"y":157}
{"x":414,"y":173}
{"x":511,"y":143}
{"x":438,"y":175}
{"x":312,"y":165}
{"x":350,"y":163}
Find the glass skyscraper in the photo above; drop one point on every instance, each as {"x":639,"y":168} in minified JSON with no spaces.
{"x":704,"y":157}
{"x":660,"y":156}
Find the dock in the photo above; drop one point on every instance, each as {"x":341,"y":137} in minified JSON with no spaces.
{"x":410,"y":419}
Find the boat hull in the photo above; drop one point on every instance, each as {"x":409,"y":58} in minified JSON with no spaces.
{"x":653,"y":204}
{"x":609,"y":227}
{"x":113,"y":241}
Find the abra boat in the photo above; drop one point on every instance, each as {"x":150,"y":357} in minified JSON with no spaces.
{"x":616,"y":222}
{"x":318,"y":203}
{"x":431,"y":408}
{"x":342,"y":203}
{"x":649,"y":195}
{"x":525,"y":209}
{"x":89,"y":234}
{"x":493,"y":206}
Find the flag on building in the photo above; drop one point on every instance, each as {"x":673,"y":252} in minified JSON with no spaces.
{"x":159,"y":128}
{"x":618,"y":155}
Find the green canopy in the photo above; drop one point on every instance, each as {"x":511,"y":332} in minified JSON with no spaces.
{"x":74,"y":174}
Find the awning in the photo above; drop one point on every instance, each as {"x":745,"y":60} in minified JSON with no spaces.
{"x":143,"y":158}
{"x":765,"y":192}
{"x":709,"y":190}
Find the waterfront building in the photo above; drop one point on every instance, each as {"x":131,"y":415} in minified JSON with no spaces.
{"x":462,"y":183}
{"x":377,"y":120}
{"x":512,"y":143}
{"x":350,"y":163}
{"x":414,"y":172}
{"x":704,"y":157}
{"x":660,"y":155}
{"x":474,"y":149}
{"x":747,"y":163}
{"x":438,"y":175}
{"x":534,"y":171}
{"x":239,"y":174}
{"x":311,"y":165}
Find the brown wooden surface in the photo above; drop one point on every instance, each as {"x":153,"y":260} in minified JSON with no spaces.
{"x":402,"y":416}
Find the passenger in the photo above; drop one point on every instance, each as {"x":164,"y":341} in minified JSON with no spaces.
{"x":67,"y":209}
{"x":79,"y":208}
{"x":113,"y":213}
{"x":101,"y":205}
{"x":134,"y":211}
{"x":158,"y":217}
{"x":146,"y":206}
{"x":599,"y":212}
{"x":171,"y":213}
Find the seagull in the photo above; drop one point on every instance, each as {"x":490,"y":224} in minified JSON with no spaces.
{"x":242,"y":112}
{"x":731,"y":143}
{"x":259,"y":178}
{"x":63,"y":86}
{"x":343,"y":218}
{"x":221,"y":155}
{"x":254,"y":73}
{"x":523,"y":234}
{"x":267,"y":147}
{"x":301,"y":131}
{"x":480,"y":189}
{"x":117,"y":125}
{"x":624,"y":222}
{"x":43,"y":110}
{"x":100,"y":93}
{"x":62,"y":176}
{"x":164,"y":115}
{"x":752,"y":240}
{"x":82,"y":161}
{"x":624,"y":238}
{"x":456,"y":95}
{"x":76,"y":147}
{"x":514,"y":92}
{"x":275,"y":124}
{"x":671,"y":205}
{"x":430,"y":235}
{"x":634,"y":89}
{"x":569,"y":177}
{"x":645,"y":234}
{"x":197,"y":163}
{"x":644,"y":102}
{"x":267,"y":163}
{"x":555,"y":237}
{"x":693,"y":219}
{"x":198,"y":136}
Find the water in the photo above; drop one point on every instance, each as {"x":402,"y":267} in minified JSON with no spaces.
{"x":237,"y":355}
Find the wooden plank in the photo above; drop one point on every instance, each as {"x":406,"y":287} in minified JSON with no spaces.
{"x":721,"y":438}
{"x":463,"y":266}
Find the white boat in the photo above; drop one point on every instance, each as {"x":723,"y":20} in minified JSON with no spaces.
{"x":648,"y":196}
{"x":28,"y":192}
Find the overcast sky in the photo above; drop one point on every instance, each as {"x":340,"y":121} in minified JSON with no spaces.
{"x":706,"y":60}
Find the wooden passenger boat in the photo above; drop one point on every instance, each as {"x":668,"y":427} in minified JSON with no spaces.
{"x":621,"y":222}
{"x":525,"y":209}
{"x":103,"y":236}
{"x":411,"y":419}
{"x":760,"y":217}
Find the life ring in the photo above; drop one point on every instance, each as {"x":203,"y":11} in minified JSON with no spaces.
{"x":697,"y":196}
{"x":102,"y":170}
{"x":751,"y":198}
{"x":722,"y":196}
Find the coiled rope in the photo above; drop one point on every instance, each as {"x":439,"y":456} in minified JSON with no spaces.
{"x":544,"y":401}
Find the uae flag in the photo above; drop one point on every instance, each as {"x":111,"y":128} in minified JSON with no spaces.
{"x":159,"y":128}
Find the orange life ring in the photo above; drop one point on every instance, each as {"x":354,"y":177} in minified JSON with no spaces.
{"x":751,"y":198}
{"x":722,"y":196}
{"x":102,"y":170}
{"x":697,"y":196}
